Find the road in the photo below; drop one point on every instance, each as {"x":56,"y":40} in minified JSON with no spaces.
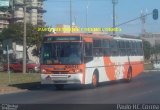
{"x":143,"y":89}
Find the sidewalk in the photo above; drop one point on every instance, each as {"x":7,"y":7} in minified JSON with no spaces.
{"x":7,"y":89}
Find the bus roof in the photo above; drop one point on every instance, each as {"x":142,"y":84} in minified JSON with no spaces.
{"x":124,"y":38}
{"x":80,"y":34}
{"x":92,"y":36}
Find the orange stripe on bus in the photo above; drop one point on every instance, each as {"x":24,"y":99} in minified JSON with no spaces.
{"x":110,"y":70}
{"x":88,"y":39}
{"x":137,"y":68}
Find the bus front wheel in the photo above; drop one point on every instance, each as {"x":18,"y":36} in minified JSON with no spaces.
{"x":95,"y":80}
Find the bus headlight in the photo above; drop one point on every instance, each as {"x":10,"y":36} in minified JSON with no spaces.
{"x":77,"y":70}
{"x":43,"y":71}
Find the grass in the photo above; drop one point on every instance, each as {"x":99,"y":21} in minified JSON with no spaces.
{"x":18,"y":78}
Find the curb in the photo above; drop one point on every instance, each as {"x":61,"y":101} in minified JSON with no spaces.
{"x":151,"y":70}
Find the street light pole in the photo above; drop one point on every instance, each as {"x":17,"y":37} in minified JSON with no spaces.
{"x":70,"y":16}
{"x":87,"y":14}
{"x":24,"y":40}
{"x":143,"y":20}
{"x":9,"y":73}
{"x":114,"y":2}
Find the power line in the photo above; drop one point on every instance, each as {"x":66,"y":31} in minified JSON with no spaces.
{"x":71,"y":16}
{"x":77,"y":0}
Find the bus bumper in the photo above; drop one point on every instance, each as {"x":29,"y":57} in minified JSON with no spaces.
{"x":61,"y":78}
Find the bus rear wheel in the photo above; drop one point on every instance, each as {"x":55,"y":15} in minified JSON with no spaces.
{"x":129,"y":76}
{"x":95,"y":80}
{"x":59,"y":86}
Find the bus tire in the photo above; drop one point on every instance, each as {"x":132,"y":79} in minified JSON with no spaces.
{"x":129,"y":75}
{"x":59,"y":86}
{"x":95,"y":79}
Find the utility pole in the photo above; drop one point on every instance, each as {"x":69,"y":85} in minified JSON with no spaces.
{"x":143,"y":20}
{"x":70,"y":16}
{"x":24,"y":40}
{"x":9,"y":73}
{"x":114,"y":2}
{"x":87,"y":14}
{"x":12,"y":12}
{"x":75,"y":20}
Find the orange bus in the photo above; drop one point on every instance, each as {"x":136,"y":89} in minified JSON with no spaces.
{"x":79,"y":58}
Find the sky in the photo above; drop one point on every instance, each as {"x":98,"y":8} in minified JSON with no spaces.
{"x":99,"y":14}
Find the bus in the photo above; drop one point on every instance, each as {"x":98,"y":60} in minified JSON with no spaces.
{"x":79,"y":58}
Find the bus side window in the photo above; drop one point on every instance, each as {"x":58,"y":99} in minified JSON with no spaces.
{"x":124,"y":48}
{"x":132,"y":48}
{"x":113,"y":47}
{"x":98,"y":47}
{"x":88,"y":52}
{"x":96,"y":51}
{"x":88,"y":49}
{"x":137,"y":48}
{"x":141,"y":48}
{"x":106,"y":49}
{"x":127,"y":48}
{"x":97,"y":43}
{"x":115,"y":51}
{"x":105,"y":44}
{"x":121,"y":47}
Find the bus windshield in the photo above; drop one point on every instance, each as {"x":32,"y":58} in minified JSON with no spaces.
{"x":61,"y":53}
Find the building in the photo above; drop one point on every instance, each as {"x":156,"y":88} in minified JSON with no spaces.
{"x":34,"y":13}
{"x":152,"y":38}
{"x":14,"y":12}
{"x":4,"y":14}
{"x":4,"y":20}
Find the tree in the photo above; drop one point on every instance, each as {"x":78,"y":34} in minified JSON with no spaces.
{"x":155,"y":51}
{"x":15,"y":32}
{"x":147,"y":49}
{"x":35,"y":38}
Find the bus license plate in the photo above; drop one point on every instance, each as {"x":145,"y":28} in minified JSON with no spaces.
{"x":59,"y":79}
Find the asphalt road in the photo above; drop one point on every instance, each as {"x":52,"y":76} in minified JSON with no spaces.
{"x":145,"y":88}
